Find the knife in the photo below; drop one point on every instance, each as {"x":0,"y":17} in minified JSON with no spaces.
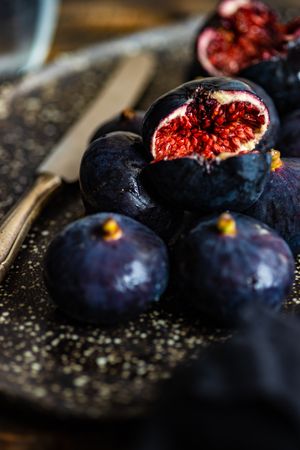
{"x":122,"y":90}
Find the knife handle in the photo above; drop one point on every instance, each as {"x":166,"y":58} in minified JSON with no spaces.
{"x":16,"y":224}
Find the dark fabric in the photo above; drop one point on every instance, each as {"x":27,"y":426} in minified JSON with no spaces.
{"x":240,"y":395}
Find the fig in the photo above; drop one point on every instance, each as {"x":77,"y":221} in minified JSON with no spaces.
{"x":230,"y":261}
{"x":279,"y":205}
{"x":110,"y":180}
{"x":203,"y":137}
{"x":127,"y":120}
{"x":246,"y":37}
{"x":241,"y":394}
{"x":280,"y":77}
{"x":289,"y":137}
{"x":105,"y":268}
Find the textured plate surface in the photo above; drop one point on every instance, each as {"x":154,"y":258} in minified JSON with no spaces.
{"x":46,"y":361}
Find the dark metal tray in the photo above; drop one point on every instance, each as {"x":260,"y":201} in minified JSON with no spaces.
{"x":47,"y":362}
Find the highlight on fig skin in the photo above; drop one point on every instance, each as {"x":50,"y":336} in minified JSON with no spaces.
{"x":226,"y":225}
{"x":242,"y":33}
{"x":110,"y":180}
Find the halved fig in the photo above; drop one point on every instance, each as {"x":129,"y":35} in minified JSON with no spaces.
{"x":246,"y":37}
{"x":203,"y":138}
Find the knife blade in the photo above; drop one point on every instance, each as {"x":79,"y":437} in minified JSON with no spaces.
{"x":122,"y":90}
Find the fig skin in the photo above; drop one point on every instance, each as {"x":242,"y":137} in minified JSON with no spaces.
{"x":126,"y":120}
{"x":289,"y":137}
{"x":219,"y":274}
{"x":98,"y":280}
{"x":110,"y":180}
{"x":279,"y":204}
{"x":280,"y":77}
{"x":190,"y":183}
{"x":235,"y":183}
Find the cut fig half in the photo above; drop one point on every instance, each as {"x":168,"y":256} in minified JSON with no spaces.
{"x":244,"y":33}
{"x":200,"y":134}
{"x":211,"y":122}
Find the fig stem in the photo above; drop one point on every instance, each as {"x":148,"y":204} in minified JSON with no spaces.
{"x":226,"y":225}
{"x":111,"y":230}
{"x":128,"y":113}
{"x":276,"y":160}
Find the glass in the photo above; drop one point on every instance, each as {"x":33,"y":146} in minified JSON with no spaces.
{"x":26,"y":30}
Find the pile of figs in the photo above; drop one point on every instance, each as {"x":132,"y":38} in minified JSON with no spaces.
{"x":208,"y":150}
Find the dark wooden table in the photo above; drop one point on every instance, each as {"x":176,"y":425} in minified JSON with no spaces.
{"x":82,"y":23}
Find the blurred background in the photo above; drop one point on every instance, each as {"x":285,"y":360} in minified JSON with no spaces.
{"x":84,"y":22}
{"x":37,"y":31}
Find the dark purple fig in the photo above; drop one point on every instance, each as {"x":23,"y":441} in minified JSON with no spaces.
{"x":105,"y":268}
{"x":232,"y":260}
{"x":289,"y":136}
{"x":126,"y":120}
{"x":203,"y":137}
{"x":110,"y":181}
{"x":279,"y":204}
{"x":241,"y":394}
{"x":246,"y":38}
{"x":280,"y":77}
